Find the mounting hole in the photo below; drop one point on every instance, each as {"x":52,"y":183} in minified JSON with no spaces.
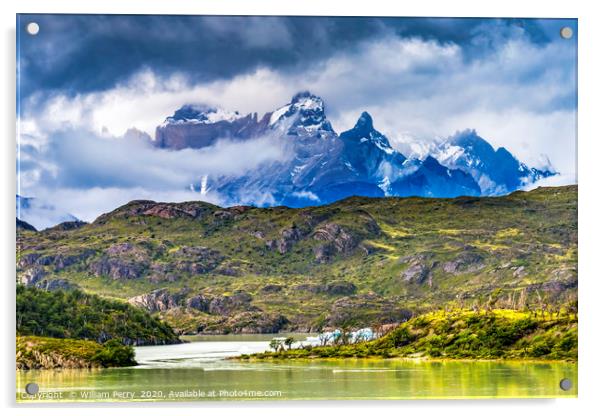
{"x":32,"y":388}
{"x":566,"y":384}
{"x":33,"y":28}
{"x":566,"y":32}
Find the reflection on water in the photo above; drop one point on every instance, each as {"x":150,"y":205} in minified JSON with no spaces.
{"x":199,"y":371}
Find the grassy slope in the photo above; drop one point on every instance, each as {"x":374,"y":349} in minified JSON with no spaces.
{"x":525,"y":239}
{"x":461,"y":334}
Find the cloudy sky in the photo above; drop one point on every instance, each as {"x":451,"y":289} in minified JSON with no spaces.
{"x":85,"y":80}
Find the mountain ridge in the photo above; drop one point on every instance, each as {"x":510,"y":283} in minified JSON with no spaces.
{"x":325,"y":166}
{"x":209,"y":269}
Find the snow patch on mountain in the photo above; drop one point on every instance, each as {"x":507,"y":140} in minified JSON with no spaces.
{"x":201,"y":114}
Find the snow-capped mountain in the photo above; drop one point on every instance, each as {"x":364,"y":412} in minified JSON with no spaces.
{"x":198,"y":126}
{"x":323,"y":166}
{"x":496,"y":170}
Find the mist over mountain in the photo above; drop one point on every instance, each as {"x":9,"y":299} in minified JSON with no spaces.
{"x":323,"y":166}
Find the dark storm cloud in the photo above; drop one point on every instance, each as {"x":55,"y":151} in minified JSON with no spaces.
{"x":84,"y":53}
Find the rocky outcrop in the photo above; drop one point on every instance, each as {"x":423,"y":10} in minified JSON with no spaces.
{"x":27,"y":260}
{"x":338,"y":288}
{"x":55,"y":284}
{"x":159,"y":300}
{"x":418,"y":269}
{"x":342,"y":240}
{"x":134,"y":209}
{"x":122,"y":261}
{"x":31,"y":276}
{"x":198,"y":302}
{"x":117,"y":269}
{"x":24,"y":226}
{"x":365,"y":309}
{"x":230,"y":213}
{"x":338,"y":240}
{"x":227,"y":305}
{"x":196,"y":260}
{"x":416,"y":273}
{"x":30,"y":357}
{"x":256,"y":323}
{"x":67,"y":226}
{"x":58,"y":261}
{"x":288,"y":237}
{"x":466,"y":262}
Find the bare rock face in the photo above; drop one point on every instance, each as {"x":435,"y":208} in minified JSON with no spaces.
{"x":158,"y":300}
{"x":59,"y":261}
{"x":419,"y":268}
{"x":27,"y":260}
{"x":31,"y":276}
{"x":289,"y":237}
{"x":55,"y":284}
{"x":141,"y":208}
{"x":342,"y":240}
{"x":227,"y":305}
{"x":199,"y":302}
{"x":337,"y":240}
{"x":324,"y":253}
{"x":416,"y":273}
{"x":196,"y":260}
{"x":117,"y":269}
{"x":466,"y":262}
{"x":122,"y":261}
{"x":178,"y":133}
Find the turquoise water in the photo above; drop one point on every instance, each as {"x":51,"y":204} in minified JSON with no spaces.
{"x":200,"y":370}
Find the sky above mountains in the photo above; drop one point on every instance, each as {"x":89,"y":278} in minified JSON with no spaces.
{"x":85,"y":80}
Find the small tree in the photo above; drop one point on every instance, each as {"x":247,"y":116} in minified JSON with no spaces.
{"x":289,"y":342}
{"x":275,"y":344}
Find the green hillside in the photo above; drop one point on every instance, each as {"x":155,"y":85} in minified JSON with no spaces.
{"x":74,"y":314}
{"x":460,"y":334}
{"x":360,"y":261}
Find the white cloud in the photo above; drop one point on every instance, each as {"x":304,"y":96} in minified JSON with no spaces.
{"x":520,"y":96}
{"x":556,"y":180}
{"x":306,"y":195}
{"x":85,"y":174}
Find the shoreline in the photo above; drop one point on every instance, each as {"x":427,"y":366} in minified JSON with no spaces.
{"x":408,"y":359}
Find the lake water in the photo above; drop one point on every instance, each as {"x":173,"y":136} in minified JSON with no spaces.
{"x":199,"y":370}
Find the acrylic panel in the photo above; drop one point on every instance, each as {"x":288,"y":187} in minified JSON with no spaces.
{"x":295,"y":208}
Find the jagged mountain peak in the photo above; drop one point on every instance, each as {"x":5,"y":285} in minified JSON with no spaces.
{"x":364,"y":123}
{"x":201,"y":114}
{"x":364,"y":132}
{"x":306,"y":98}
{"x":305,"y":111}
{"x":496,"y":170}
{"x":470,"y":141}
{"x":432,"y":163}
{"x":323,"y":166}
{"x":467,"y":137}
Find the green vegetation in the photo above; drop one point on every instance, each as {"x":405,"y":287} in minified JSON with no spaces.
{"x":41,"y":352}
{"x":74,"y":314}
{"x":357,"y":262}
{"x":461,"y":334}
